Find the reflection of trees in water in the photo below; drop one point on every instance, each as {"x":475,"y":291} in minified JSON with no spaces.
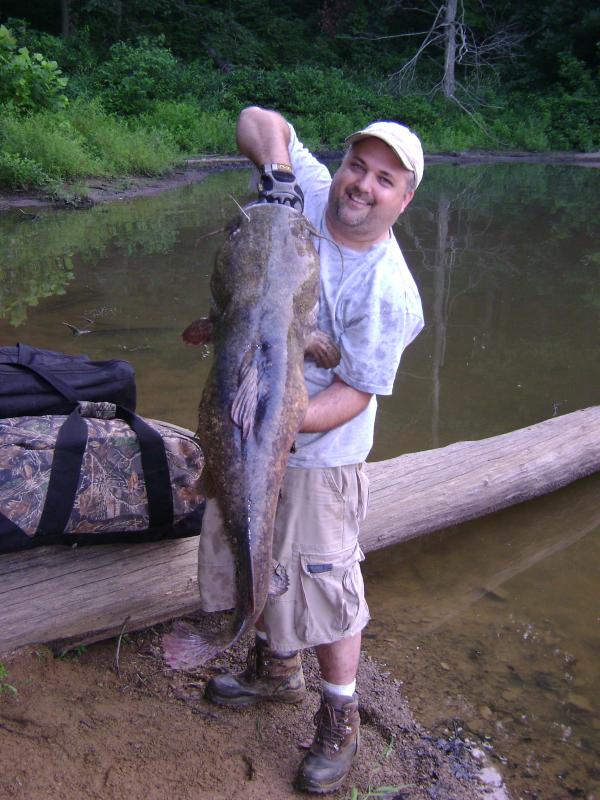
{"x":501,"y":254}
{"x":39,"y":257}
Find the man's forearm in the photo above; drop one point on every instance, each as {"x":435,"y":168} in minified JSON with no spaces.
{"x":263,"y":136}
{"x":336,"y":404}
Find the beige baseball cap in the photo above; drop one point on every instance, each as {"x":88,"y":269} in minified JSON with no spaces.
{"x":403,"y":142}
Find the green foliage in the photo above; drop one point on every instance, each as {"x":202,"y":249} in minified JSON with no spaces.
{"x":49,"y":140}
{"x":44,"y":148}
{"x":28,"y":82}
{"x":135,"y":75}
{"x":73,"y":54}
{"x":151,"y":80}
{"x":122,"y":148}
{"x":573,"y":109}
{"x":193,"y":130}
{"x":19,"y":172}
{"x":73,"y":653}
{"x":5,"y":687}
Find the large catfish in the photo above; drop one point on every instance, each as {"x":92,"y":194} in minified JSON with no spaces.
{"x":265,"y":293}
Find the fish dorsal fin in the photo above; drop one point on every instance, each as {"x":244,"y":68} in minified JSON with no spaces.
{"x":251,"y":389}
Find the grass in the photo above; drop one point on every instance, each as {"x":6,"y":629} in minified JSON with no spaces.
{"x":381,"y":792}
{"x":72,"y":654}
{"x":388,"y":792}
{"x":48,"y":148}
{"x":6,"y":688}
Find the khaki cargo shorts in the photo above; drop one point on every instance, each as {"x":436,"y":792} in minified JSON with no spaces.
{"x":316,"y":541}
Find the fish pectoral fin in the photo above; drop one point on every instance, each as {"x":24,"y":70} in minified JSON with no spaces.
{"x":250,"y":391}
{"x":322,"y":349}
{"x":198,"y":332}
{"x":280,"y":580}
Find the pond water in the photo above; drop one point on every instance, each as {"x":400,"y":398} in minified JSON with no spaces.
{"x":493,"y":627}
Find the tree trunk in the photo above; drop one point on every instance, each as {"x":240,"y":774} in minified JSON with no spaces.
{"x":52,"y":594}
{"x":448,"y":81}
{"x":65,"y":18}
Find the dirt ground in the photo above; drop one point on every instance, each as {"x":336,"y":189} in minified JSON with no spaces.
{"x":102,"y":191}
{"x":85,"y":725}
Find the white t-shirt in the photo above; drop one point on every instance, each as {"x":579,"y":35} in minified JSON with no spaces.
{"x":369,"y":305}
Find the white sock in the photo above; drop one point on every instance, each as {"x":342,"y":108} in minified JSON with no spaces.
{"x":338,"y":689}
{"x":261,"y":635}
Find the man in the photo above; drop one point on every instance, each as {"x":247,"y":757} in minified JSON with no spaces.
{"x":370,"y":306}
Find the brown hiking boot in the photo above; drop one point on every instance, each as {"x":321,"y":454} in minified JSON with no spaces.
{"x":266,"y":677}
{"x":336,"y":742}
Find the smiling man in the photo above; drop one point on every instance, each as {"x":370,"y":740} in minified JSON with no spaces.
{"x":370,"y":306}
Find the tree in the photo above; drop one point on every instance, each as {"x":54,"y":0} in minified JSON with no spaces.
{"x":472,"y":47}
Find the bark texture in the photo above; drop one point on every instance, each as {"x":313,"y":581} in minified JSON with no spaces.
{"x":70,"y":596}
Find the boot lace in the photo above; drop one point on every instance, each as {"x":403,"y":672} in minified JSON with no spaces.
{"x":253,"y":664}
{"x":332,"y":727}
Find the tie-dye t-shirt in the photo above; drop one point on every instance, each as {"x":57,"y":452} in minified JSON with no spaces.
{"x":369,"y":305}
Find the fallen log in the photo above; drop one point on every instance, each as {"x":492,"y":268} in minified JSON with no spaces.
{"x":70,"y":596}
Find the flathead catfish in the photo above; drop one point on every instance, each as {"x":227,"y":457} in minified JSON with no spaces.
{"x":265,"y":293}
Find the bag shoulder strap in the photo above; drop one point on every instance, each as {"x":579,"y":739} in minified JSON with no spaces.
{"x":24,"y":359}
{"x":66,"y":470}
{"x":12,"y":537}
{"x":64,"y":475}
{"x":156,"y":469}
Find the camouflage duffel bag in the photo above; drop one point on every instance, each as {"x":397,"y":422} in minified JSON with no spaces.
{"x":100,"y":474}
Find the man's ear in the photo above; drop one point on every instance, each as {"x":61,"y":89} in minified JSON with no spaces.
{"x":406,"y":200}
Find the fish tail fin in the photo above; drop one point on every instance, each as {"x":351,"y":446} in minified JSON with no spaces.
{"x":185,"y":648}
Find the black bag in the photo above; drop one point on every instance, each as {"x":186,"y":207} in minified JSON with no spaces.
{"x":35,"y":381}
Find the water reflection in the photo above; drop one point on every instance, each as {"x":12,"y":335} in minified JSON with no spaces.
{"x":41,"y":251}
{"x":494,"y":624}
{"x":507,"y":261}
{"x":136,"y":273}
{"x":494,"y":627}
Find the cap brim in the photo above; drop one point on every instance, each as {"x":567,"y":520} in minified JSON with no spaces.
{"x":405,"y":161}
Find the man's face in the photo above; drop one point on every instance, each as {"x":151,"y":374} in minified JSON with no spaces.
{"x":368,"y":192}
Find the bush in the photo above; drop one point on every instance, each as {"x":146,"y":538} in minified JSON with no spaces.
{"x":119,"y":147}
{"x":193,"y":130}
{"x":20,"y":172}
{"x":136,"y":75}
{"x":38,"y":149}
{"x":27,"y":81}
{"x":73,"y":54}
{"x":48,"y":139}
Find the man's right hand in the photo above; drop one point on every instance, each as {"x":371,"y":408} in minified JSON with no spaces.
{"x":278,"y":185}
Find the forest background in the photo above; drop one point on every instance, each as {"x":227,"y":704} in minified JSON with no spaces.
{"x":110,"y":88}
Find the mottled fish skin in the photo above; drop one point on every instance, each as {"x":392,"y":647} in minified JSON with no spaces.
{"x":265,"y":291}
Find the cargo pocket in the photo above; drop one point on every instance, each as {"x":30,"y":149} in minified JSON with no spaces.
{"x":330,"y":595}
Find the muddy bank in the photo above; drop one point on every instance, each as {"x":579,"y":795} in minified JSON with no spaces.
{"x":195,"y":169}
{"x":102,"y":191}
{"x":81,"y":726}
